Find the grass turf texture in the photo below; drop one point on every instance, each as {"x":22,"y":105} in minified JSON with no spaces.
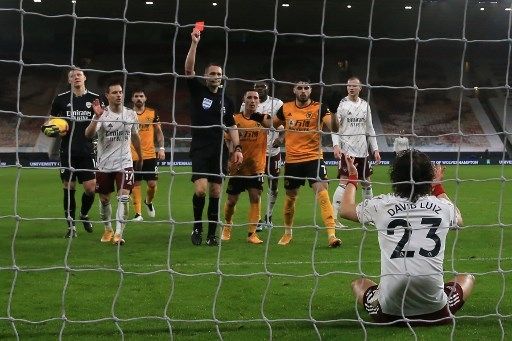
{"x":158,"y":284}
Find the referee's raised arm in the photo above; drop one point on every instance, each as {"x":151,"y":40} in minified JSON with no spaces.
{"x":190,"y":62}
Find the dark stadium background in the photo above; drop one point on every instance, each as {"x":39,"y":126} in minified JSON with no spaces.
{"x":455,"y":47}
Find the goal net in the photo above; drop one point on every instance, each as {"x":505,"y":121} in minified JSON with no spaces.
{"x":436,"y":72}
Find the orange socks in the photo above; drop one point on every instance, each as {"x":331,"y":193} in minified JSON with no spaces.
{"x":289,"y":213}
{"x":254,"y":217}
{"x":229,"y":211}
{"x":150,"y":194}
{"x":326,"y":211}
{"x":137,"y":200}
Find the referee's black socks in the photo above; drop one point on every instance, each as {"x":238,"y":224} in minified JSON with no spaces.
{"x":198,"y":206}
{"x":213,"y":215}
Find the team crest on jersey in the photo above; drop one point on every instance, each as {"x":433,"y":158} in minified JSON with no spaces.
{"x":308,"y":115}
{"x":207,"y":103}
{"x":88,"y":105}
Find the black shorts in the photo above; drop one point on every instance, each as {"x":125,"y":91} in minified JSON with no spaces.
{"x":85,"y":164}
{"x":208,"y":164}
{"x":149,"y":170}
{"x":272,"y":166}
{"x":442,"y":316}
{"x":238,"y":185}
{"x":295,"y":174}
{"x":364,"y":169}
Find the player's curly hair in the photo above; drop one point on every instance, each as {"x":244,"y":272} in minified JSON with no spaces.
{"x":411,"y":162}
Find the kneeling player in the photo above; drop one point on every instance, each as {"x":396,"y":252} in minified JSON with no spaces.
{"x":412,"y":224}
{"x":249,"y":176}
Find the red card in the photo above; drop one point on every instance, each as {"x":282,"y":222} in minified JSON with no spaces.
{"x":199,"y":26}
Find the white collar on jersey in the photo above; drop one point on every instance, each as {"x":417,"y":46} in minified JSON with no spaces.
{"x":359,"y":99}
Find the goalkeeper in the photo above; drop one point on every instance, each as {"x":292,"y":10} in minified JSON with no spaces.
{"x":76,"y":150}
{"x":412,"y":224}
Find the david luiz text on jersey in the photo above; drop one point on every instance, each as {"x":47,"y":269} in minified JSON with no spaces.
{"x":405,"y":207}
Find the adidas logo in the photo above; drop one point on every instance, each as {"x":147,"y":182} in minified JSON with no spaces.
{"x":69,"y":105}
{"x":289,"y":114}
{"x":110,"y":125}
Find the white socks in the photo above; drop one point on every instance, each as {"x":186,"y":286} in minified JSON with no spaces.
{"x":106,"y":215}
{"x":122,"y":213}
{"x":272,"y":201}
{"x":338,"y":195}
{"x":336,"y":200}
{"x":367,"y":192}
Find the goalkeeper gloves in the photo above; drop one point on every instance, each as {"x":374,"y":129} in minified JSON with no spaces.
{"x":50,"y":130}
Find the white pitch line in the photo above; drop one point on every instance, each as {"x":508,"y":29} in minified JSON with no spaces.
{"x":94,"y":266}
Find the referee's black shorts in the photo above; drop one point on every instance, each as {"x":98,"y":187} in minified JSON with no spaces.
{"x":209,"y":163}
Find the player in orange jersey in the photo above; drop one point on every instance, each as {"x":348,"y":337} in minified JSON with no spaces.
{"x":303,"y":120}
{"x":149,"y":129}
{"x":249,"y":175}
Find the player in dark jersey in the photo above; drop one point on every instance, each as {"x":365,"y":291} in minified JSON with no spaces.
{"x":76,"y":150}
{"x":212,"y":109}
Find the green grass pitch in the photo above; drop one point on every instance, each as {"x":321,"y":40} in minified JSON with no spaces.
{"x":159,"y":286}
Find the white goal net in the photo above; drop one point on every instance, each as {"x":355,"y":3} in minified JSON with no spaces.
{"x":435,"y":71}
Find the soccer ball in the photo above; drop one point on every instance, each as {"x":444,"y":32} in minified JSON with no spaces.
{"x":62,"y":124}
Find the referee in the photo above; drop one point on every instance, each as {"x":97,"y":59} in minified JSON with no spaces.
{"x":210,"y":110}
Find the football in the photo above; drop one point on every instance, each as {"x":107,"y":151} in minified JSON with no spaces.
{"x":61,"y":123}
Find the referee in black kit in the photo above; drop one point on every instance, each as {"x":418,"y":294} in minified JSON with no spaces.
{"x":208,"y":151}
